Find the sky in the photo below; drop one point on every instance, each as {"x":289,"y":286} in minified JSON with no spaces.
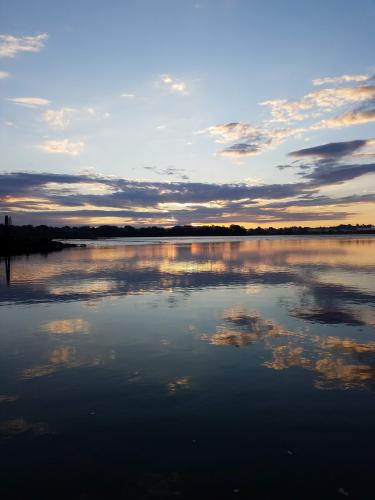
{"x":164,"y":112}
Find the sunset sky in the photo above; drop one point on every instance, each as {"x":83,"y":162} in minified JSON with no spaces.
{"x":187,"y":111}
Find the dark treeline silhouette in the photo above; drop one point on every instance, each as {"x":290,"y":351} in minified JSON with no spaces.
{"x":16,"y":240}
{"x":44,"y":232}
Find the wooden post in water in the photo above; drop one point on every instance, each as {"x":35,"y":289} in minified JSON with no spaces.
{"x":7,"y":269}
{"x":7,"y":224}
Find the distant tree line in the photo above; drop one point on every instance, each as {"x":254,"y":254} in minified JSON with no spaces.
{"x":44,"y":232}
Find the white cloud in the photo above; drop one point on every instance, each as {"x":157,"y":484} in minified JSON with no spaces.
{"x":130,"y":96}
{"x":92,"y":113}
{"x":11,"y":45}
{"x":179,"y":87}
{"x":64,"y":146}
{"x":234,"y":131}
{"x":249,"y":140}
{"x":30,"y":102}
{"x":10,"y":124}
{"x":63,"y":117}
{"x":254,"y":181}
{"x":337,"y":107}
{"x":341,"y":79}
{"x":325,"y":100}
{"x":4,"y":74}
{"x":356,"y":117}
{"x":176,"y":86}
{"x":59,"y":118}
{"x":166,"y":79}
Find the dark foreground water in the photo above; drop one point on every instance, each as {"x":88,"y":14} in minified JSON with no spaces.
{"x":189,"y":369}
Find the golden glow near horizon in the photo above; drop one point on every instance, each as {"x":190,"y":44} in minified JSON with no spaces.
{"x":90,"y":202}
{"x":256,"y":254}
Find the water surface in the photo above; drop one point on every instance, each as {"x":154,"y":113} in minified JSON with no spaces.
{"x":189,"y":368}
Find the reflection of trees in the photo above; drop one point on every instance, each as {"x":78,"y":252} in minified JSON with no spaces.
{"x":7,"y":269}
{"x":338,"y":363}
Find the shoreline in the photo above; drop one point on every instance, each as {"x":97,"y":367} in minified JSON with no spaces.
{"x":26,"y":247}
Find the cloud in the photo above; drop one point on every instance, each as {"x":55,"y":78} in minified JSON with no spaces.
{"x":249,"y":139}
{"x":11,"y":45}
{"x":241,"y":149}
{"x":64,"y":146}
{"x":94,"y":198}
{"x":356,"y":117}
{"x":4,"y":74}
{"x":60,"y":198}
{"x":341,"y":79}
{"x":127,"y":193}
{"x":59,"y":118}
{"x":73,"y":215}
{"x":326,"y":100}
{"x":63,"y":117}
{"x":30,"y":102}
{"x":326,"y":165}
{"x":19,"y":183}
{"x":176,"y":86}
{"x":335,"y":108}
{"x":127,"y":95}
{"x":234,"y":131}
{"x":169,"y":171}
{"x":323,"y":175}
{"x":318,"y":201}
{"x":10,"y":124}
{"x":333,"y":150}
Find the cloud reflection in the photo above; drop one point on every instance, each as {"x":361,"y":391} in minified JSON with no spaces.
{"x":337,"y":363}
{"x":178,"y":384}
{"x":66,"y":326}
{"x":67,"y":357}
{"x":316,"y":285}
{"x":330,"y":276}
{"x":19,"y":425}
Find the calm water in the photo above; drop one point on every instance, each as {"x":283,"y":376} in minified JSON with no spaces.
{"x":189,"y":369}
